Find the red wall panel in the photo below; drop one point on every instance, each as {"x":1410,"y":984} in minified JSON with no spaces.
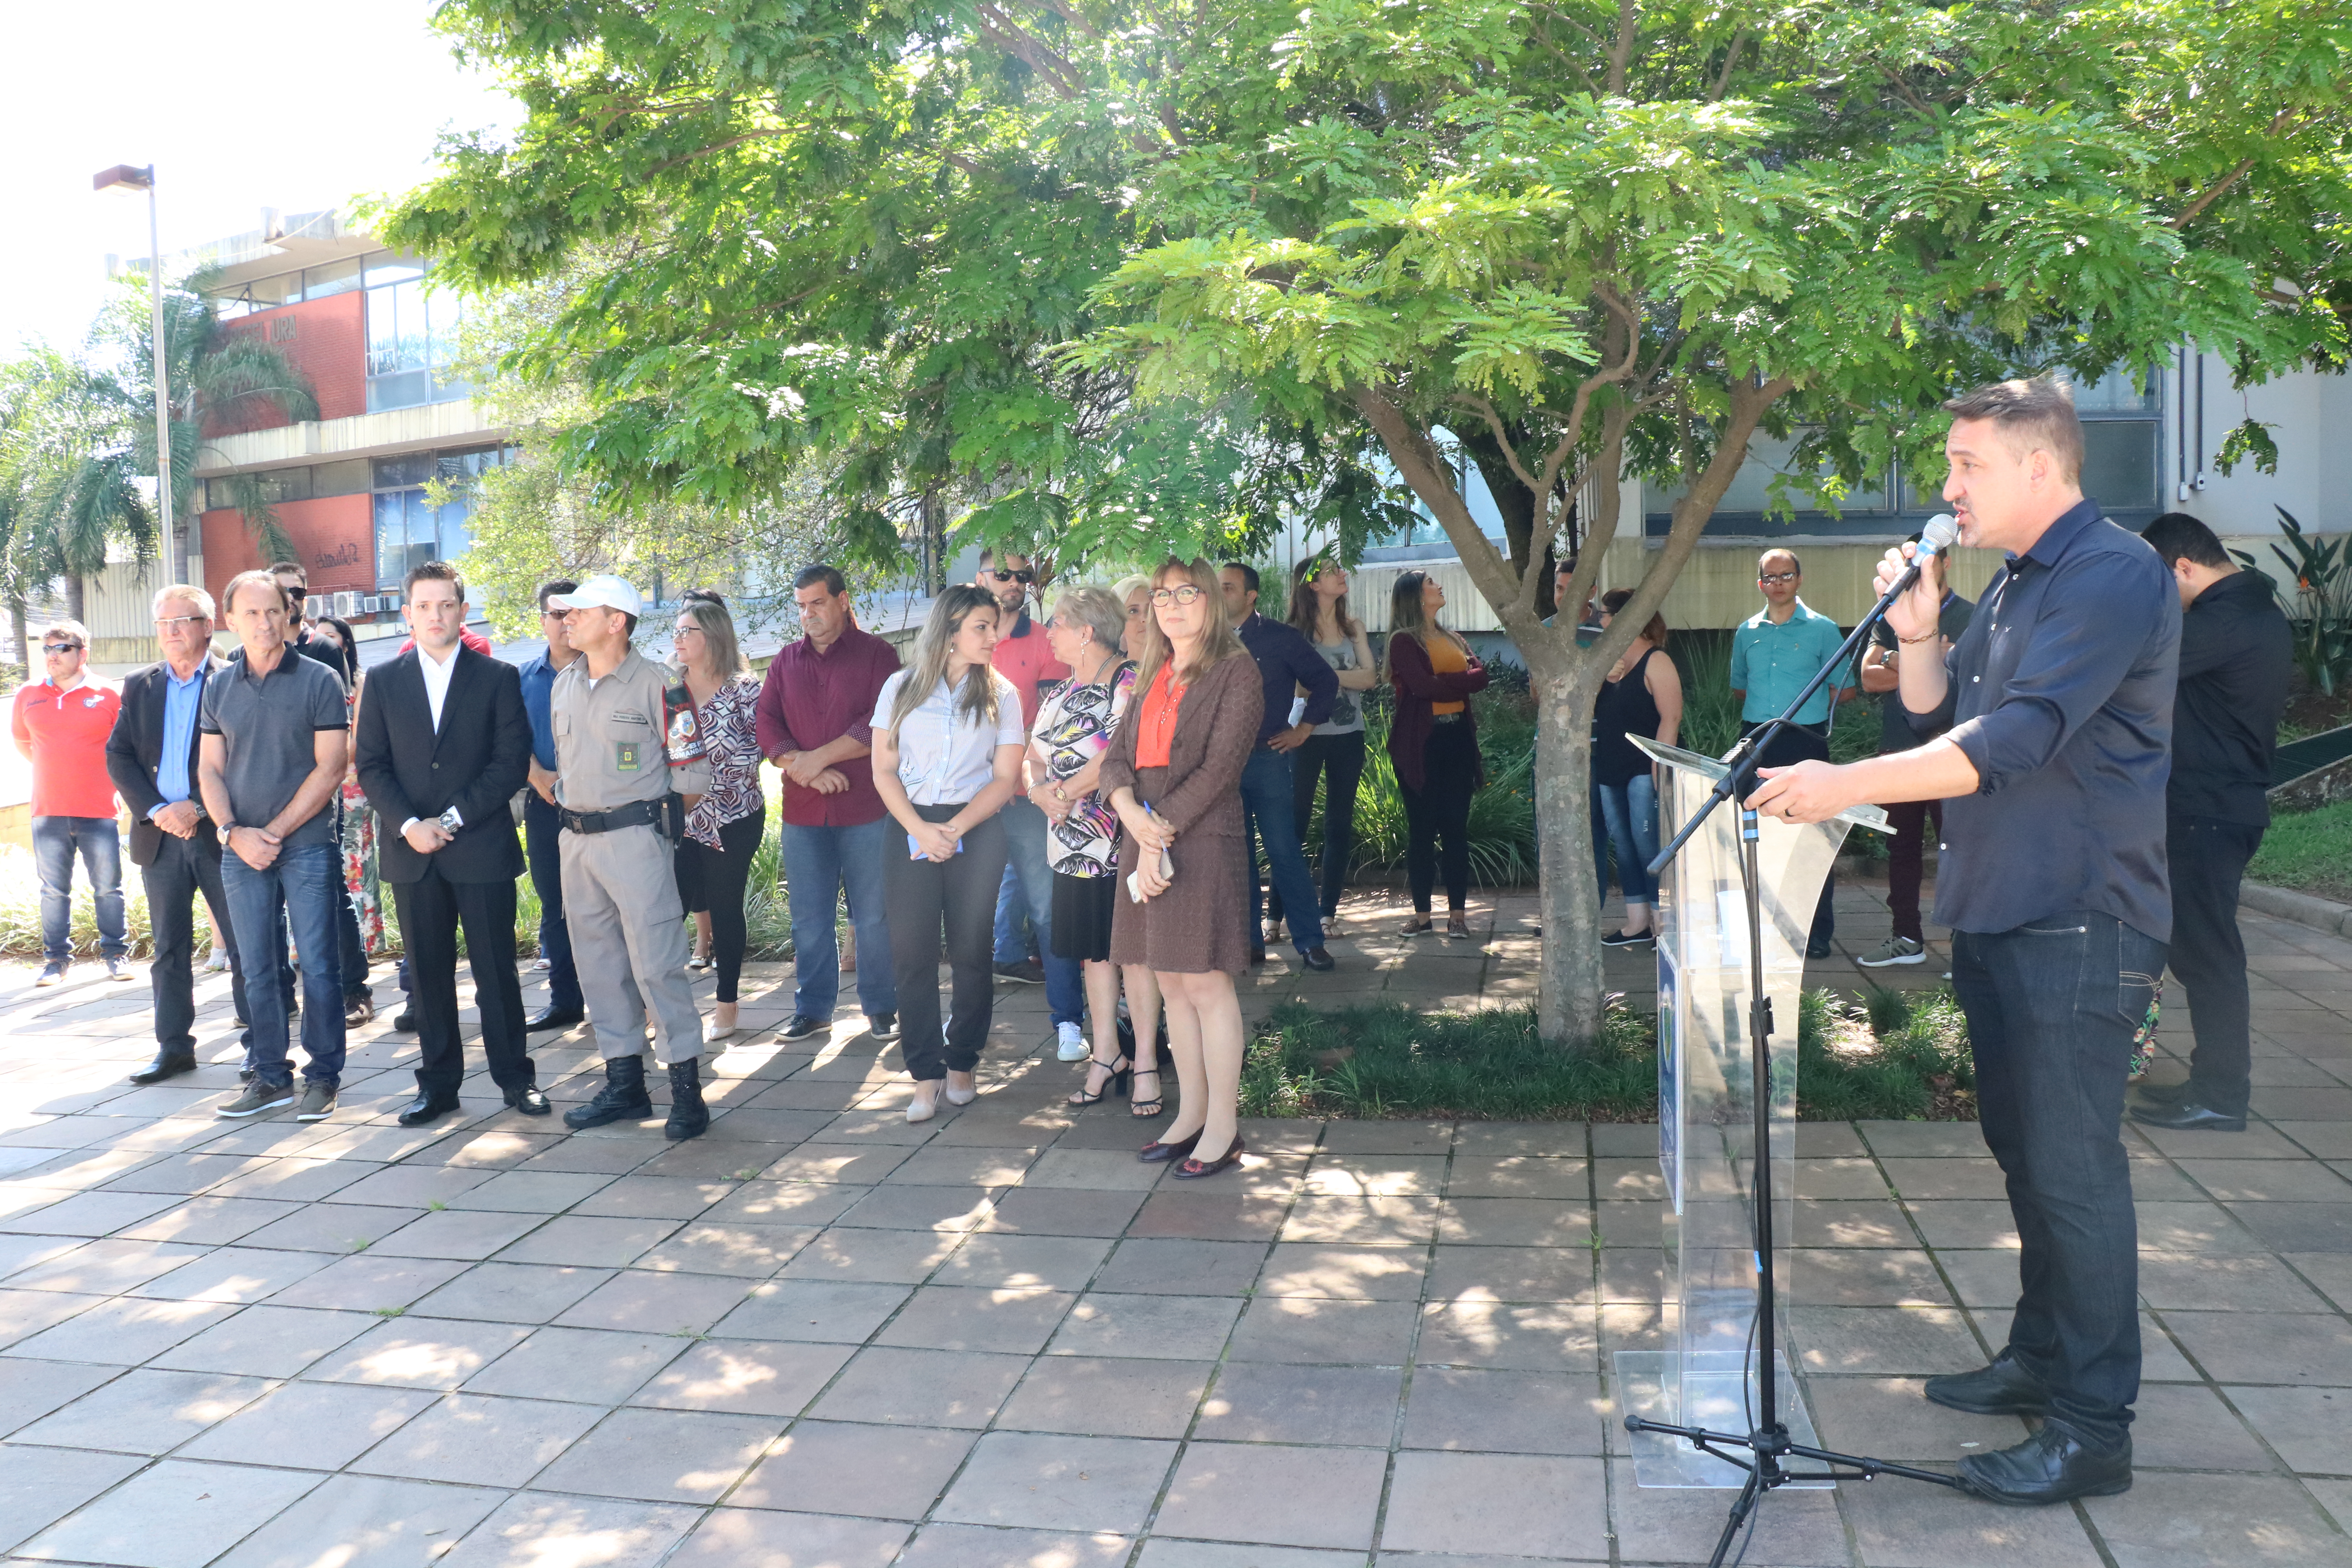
{"x":333,"y":536}
{"x":327,"y":339}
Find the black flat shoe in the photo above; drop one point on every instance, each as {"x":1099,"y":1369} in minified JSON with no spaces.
{"x":883,"y":1026}
{"x":423,"y":1111}
{"x":2187,"y":1115}
{"x":1318,"y":960}
{"x":167,"y":1064}
{"x":404,"y":1021}
{"x":1158,"y":1154}
{"x":2004,"y":1388}
{"x":539,"y":1023}
{"x":1193,"y":1170}
{"x":530,"y":1102}
{"x":800,"y":1027}
{"x":2051,"y":1467}
{"x":2143,"y":1092}
{"x":1626,"y":938}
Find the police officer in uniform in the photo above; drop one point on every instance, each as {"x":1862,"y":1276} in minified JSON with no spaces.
{"x":628,"y":764}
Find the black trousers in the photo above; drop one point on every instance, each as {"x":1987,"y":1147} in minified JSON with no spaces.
{"x":541,"y":825}
{"x":181,"y":870}
{"x":2209,"y":858}
{"x":712,"y":881}
{"x":1338,"y":760}
{"x":1804,"y":743}
{"x":431,"y":908}
{"x":2052,"y":1007}
{"x":917,"y":897}
{"x":1439,"y":809}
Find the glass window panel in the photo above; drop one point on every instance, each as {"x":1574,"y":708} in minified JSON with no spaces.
{"x":447,"y":316}
{"x":349,"y":477}
{"x":335,"y":278}
{"x":457,"y":528}
{"x":285,"y":485}
{"x":423,"y":544}
{"x":391,"y":536}
{"x":2117,"y":392}
{"x":404,"y":389}
{"x":450,"y":390}
{"x":393,"y":473}
{"x":386,"y":267}
{"x":265,"y":293}
{"x":2119,"y":463}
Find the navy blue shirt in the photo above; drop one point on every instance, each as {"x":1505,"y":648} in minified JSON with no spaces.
{"x":1285,"y":661}
{"x":2061,"y":694}
{"x":538,"y":682}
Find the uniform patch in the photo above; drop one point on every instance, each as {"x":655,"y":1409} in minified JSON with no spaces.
{"x":625,"y":755}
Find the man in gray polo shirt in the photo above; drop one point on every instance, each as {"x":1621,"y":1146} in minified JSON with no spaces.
{"x":271,"y":759}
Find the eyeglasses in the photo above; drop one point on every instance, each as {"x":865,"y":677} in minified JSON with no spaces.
{"x":1769,"y":578}
{"x":173,"y":623}
{"x":1004,"y":576}
{"x":1185,"y":595}
{"x":61,"y":648}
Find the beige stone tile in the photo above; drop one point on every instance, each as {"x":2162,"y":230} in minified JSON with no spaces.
{"x":833,"y":1466}
{"x":2212,"y":1518}
{"x":180,"y":1513}
{"x":1506,"y":1504}
{"x":1930,"y":1527}
{"x":367,"y":1284}
{"x":145,"y":1411}
{"x":921,"y":1388}
{"x":1047,"y":1481}
{"x":1342,"y":1405}
{"x":849,"y":1254}
{"x":663,"y":1456}
{"x":267,"y":1341}
{"x":987,"y":1546}
{"x":1519,"y":1177}
{"x":762,"y":1538}
{"x":751,"y":1377}
{"x":1308,"y":1329}
{"x":40,"y":1485}
{"x":1381,"y":1221}
{"x":122,"y":1331}
{"x":1472,"y":1410}
{"x":1278,"y":1496}
{"x":587,"y":1366}
{"x":1056,"y":1211}
{"x":366,"y":1521}
{"x":1545,"y":1337}
{"x":744,"y":1251}
{"x":321,"y":1425}
{"x":2267,"y":1347}
{"x":1104,"y":1396}
{"x":542,"y":1529}
{"x":421,"y":1352}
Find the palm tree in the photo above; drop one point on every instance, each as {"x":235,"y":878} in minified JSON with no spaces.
{"x":85,"y":492}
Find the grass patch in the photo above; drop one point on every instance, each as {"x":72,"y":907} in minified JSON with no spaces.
{"x":2310,"y":851}
{"x":1889,"y":1056}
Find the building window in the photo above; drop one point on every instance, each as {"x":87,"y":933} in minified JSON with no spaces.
{"x":411,"y":338}
{"x":410,"y":529}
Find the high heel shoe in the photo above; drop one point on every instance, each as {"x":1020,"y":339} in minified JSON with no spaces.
{"x":1144,"y":1109}
{"x":1157,"y":1153}
{"x":959,"y":1096}
{"x":1193,"y":1170}
{"x":1119,"y":1073}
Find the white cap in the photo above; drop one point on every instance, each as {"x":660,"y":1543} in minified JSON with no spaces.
{"x":602,"y":592}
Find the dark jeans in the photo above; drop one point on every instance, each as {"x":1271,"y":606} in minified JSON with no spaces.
{"x":919,"y":895}
{"x":1026,"y":893}
{"x":2052,"y":1006}
{"x":712,"y":881}
{"x":431,"y":910}
{"x":173,"y":879}
{"x":823,"y":867}
{"x":1800,"y":743}
{"x":308,"y":878}
{"x":2209,"y":859}
{"x":55,"y":841}
{"x":1267,"y":793}
{"x":1339,"y":759}
{"x":541,"y":828}
{"x":1907,"y":855}
{"x":1439,"y":809}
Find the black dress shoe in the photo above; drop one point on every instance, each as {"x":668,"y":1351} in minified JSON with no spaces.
{"x":530,"y":1102}
{"x":1193,"y":1170}
{"x":1318,"y":959}
{"x":404,"y":1021}
{"x":425,"y":1110}
{"x":2051,"y":1467}
{"x":2188,"y":1114}
{"x":1817,"y":950}
{"x":551,"y":1019}
{"x":883,"y":1026}
{"x":2004,"y":1388}
{"x":167,"y":1064}
{"x":2146,"y":1093}
{"x":1158,"y":1154}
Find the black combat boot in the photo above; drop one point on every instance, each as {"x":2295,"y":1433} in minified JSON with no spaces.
{"x":689,"y":1117}
{"x":623,"y":1098}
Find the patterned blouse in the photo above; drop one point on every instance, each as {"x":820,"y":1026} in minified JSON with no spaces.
{"x":734,"y":751}
{"x":1074,"y":725}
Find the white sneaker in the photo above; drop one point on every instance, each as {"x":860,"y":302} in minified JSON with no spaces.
{"x":1072,"y":1046}
{"x":1893,"y":950}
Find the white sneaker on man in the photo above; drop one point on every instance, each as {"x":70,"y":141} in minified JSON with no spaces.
{"x":1072,"y":1044}
{"x":1893,"y":950}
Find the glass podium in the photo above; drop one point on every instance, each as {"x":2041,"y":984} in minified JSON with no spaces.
{"x":1707,"y":1124}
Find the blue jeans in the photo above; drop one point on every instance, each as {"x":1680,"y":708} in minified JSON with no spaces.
{"x":1028,"y":869}
{"x":1630,"y":811}
{"x":2052,"y":1007}
{"x":1268,"y":818}
{"x":309,"y":878}
{"x":55,"y":841}
{"x":820,"y":865}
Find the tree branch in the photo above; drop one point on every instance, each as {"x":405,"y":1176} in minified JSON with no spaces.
{"x":1417,"y":460}
{"x":1730,"y":58}
{"x":1009,"y":36}
{"x":1620,"y":56}
{"x":2214,"y":194}
{"x":669,"y":163}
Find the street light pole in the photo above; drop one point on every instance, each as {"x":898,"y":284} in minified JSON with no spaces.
{"x":126,"y":176}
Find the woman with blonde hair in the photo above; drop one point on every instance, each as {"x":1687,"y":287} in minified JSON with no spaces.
{"x":724,"y":829}
{"x":1335,"y":751}
{"x":1434,"y":745}
{"x":1134,"y":595}
{"x":1174,"y":777}
{"x":947,"y":739}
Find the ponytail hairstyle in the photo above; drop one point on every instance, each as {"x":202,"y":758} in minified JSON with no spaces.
{"x":929,"y":670}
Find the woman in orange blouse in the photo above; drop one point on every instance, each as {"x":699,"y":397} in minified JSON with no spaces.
{"x":1434,"y":745}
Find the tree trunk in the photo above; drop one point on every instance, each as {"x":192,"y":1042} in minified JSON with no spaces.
{"x":20,"y":640}
{"x":74,"y":591}
{"x":1568,"y":1006}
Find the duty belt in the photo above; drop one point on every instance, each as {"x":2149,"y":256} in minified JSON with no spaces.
{"x":637,"y":813}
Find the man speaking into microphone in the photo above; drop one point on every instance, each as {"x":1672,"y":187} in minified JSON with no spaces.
{"x":2050,"y":729}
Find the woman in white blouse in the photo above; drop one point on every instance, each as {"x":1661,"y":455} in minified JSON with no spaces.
{"x":947,"y":756}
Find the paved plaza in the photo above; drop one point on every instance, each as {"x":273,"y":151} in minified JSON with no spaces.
{"x":821,"y":1338}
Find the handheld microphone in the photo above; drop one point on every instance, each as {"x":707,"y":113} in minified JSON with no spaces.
{"x":1943,"y":531}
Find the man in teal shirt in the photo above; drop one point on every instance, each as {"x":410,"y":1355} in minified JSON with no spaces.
{"x":1773,"y":654}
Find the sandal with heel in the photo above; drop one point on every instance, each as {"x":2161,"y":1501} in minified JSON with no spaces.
{"x":1119,"y":1074}
{"x":1142,"y":1108}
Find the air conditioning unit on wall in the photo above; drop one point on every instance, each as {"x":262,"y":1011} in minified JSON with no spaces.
{"x":347,"y":605}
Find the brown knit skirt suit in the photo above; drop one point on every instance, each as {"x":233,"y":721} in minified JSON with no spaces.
{"x":1202,"y":922}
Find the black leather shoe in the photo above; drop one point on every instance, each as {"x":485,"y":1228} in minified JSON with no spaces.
{"x":530,"y":1102}
{"x":404,"y":1021}
{"x":551,"y":1019}
{"x":2188,"y":1114}
{"x":2004,"y":1388}
{"x":689,"y":1116}
{"x":2146,"y":1093}
{"x":2052,"y":1465}
{"x":423,"y":1111}
{"x":623,"y":1098}
{"x":167,"y":1064}
{"x":802,"y":1026}
{"x":1318,"y":959}
{"x":883,"y":1026}
{"x":1817,"y":950}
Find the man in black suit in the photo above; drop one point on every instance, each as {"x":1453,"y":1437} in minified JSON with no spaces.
{"x":443,"y":746}
{"x":151,"y":757}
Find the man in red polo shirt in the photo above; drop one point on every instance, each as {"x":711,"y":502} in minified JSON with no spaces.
{"x":61,"y":724}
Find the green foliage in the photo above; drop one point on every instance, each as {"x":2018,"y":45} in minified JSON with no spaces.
{"x":1502,"y":816}
{"x":2311,"y":850}
{"x":2320,"y":603}
{"x":1898,"y":1056}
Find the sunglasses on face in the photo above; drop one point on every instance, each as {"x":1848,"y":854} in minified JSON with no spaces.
{"x":1185,"y":594}
{"x":1769,"y":578}
{"x":1022,"y":576}
{"x":61,"y":648}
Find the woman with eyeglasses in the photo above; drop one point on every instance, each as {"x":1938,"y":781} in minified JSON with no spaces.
{"x":947,"y":739}
{"x":1174,"y":777}
{"x":1335,"y":751}
{"x":1433,"y":746}
{"x":1074,"y":725}
{"x":724,"y":829}
{"x":1643,"y":696}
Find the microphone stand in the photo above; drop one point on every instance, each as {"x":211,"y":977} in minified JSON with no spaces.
{"x":1769,"y":1444}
